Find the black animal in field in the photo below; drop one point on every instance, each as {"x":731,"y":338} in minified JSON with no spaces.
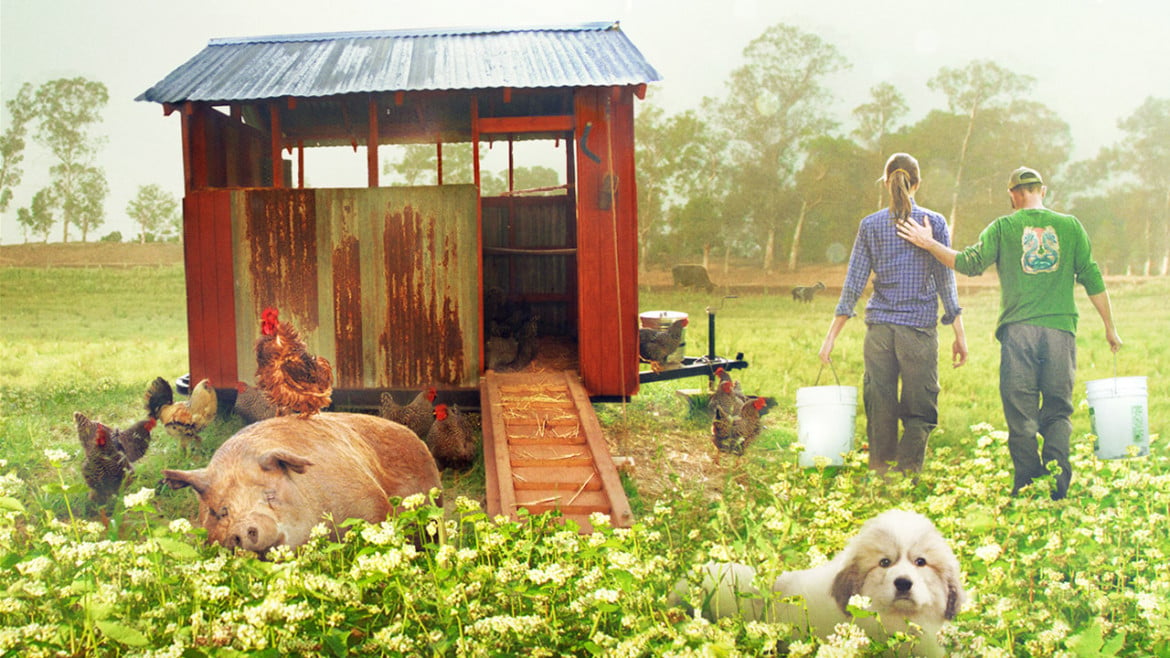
{"x":806,"y":293}
{"x":692,"y":276}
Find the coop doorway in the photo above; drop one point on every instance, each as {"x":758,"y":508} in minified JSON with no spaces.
{"x":529,"y":220}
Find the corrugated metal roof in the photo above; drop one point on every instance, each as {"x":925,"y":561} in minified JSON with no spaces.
{"x":310,"y":65}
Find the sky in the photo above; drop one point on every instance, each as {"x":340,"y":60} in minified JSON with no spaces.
{"x":1095,"y":61}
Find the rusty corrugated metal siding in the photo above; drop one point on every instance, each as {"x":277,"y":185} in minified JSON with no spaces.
{"x":382,"y":282}
{"x":314,"y":65}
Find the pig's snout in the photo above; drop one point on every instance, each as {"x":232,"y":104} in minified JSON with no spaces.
{"x":257,"y":534}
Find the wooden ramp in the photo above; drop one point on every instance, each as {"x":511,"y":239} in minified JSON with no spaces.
{"x":543,"y":449}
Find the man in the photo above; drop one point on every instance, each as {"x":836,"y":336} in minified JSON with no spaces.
{"x":1040,"y":255}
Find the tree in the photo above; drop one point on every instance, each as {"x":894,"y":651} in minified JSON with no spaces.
{"x":832,"y":187}
{"x":981,"y":86}
{"x":777,"y":101}
{"x":67,"y":108}
{"x":877,"y":119}
{"x":1132,"y":179}
{"x":38,"y":218}
{"x":88,"y":205}
{"x":154,"y":210}
{"x":12,"y":143}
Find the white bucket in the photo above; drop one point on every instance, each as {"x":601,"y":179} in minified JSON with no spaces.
{"x":661,"y":320}
{"x":1117,"y":411}
{"x":825,"y":418}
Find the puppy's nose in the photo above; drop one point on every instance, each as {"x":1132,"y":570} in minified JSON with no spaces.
{"x":903,"y":584}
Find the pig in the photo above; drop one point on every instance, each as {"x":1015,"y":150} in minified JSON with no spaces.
{"x":692,"y":276}
{"x":272,"y":481}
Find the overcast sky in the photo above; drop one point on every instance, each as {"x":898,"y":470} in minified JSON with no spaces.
{"x":1095,"y":61}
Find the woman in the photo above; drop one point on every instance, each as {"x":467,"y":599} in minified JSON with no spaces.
{"x":901,"y":318}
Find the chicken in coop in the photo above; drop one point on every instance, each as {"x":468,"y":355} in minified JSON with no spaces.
{"x":293,"y":379}
{"x":734,"y":432}
{"x":418,"y":414}
{"x":252,"y":404}
{"x":656,"y":345}
{"x":186,"y":419}
{"x":106,"y":465}
{"x":452,"y":439}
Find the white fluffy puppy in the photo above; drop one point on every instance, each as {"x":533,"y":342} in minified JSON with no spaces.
{"x":898,"y":560}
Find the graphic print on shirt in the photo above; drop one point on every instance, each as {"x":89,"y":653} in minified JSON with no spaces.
{"x":1041,"y":250}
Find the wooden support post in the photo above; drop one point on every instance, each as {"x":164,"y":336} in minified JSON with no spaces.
{"x":275,"y":145}
{"x":372,"y":144}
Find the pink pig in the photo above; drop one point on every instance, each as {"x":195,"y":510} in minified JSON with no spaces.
{"x":272,"y":481}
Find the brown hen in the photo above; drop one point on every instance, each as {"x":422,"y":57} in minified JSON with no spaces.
{"x":734,"y":432}
{"x":418,"y":415}
{"x":105,"y":465}
{"x":291,"y":377}
{"x":656,"y":345}
{"x":451,"y":439}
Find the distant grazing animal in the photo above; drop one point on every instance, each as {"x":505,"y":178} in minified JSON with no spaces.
{"x":806,"y":293}
{"x":692,"y":276}
{"x":898,"y":560}
{"x":273,"y":481}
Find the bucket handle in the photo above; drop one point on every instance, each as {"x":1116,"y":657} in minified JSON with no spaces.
{"x":822,"y":370}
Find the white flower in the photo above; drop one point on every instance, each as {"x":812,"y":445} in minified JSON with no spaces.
{"x":989,"y":552}
{"x":860,"y":602}
{"x":180,"y":526}
{"x":140,"y":497}
{"x":56,"y":455}
{"x":414,"y":501}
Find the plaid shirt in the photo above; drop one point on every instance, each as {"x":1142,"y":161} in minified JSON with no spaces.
{"x":908,"y":281}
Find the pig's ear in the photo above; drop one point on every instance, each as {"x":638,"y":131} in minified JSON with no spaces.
{"x":284,"y":460}
{"x":197,"y":480}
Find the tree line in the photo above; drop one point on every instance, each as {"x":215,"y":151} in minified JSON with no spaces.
{"x":767,"y":173}
{"x":60,"y":115}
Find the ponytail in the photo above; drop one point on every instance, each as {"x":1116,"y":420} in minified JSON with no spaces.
{"x":902,"y":177}
{"x":900,"y":205}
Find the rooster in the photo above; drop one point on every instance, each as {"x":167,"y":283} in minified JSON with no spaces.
{"x":656,"y":345}
{"x":417,"y":416}
{"x":451,"y":439}
{"x":733,"y":433}
{"x":106,"y":464}
{"x":251,"y":404}
{"x":182,"y":420}
{"x":291,"y":377}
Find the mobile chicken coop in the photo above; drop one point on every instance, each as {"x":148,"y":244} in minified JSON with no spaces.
{"x":397,"y":285}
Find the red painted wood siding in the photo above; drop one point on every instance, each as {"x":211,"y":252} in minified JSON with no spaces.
{"x":207,"y":255}
{"x":607,"y":242}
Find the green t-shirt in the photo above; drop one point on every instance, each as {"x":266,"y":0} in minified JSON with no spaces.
{"x":1040,"y":255}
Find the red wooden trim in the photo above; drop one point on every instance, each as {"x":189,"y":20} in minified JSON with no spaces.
{"x":372,"y":144}
{"x":537,"y":124}
{"x":507,"y":95}
{"x":478,"y":226}
{"x":275,"y":146}
{"x":640,"y":91}
{"x":301,"y":164}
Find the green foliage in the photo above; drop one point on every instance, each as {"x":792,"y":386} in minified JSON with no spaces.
{"x":1086,"y":576}
{"x":155,"y":211}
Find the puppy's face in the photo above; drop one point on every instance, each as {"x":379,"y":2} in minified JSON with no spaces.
{"x":906,"y":569}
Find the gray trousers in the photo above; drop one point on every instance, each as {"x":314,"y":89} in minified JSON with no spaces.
{"x":1037,"y":368}
{"x":894,"y":352}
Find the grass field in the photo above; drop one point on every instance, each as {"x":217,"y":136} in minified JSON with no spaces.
{"x":1040,"y":572}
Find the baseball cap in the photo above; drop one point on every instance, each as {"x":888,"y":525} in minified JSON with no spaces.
{"x":1024,"y":176}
